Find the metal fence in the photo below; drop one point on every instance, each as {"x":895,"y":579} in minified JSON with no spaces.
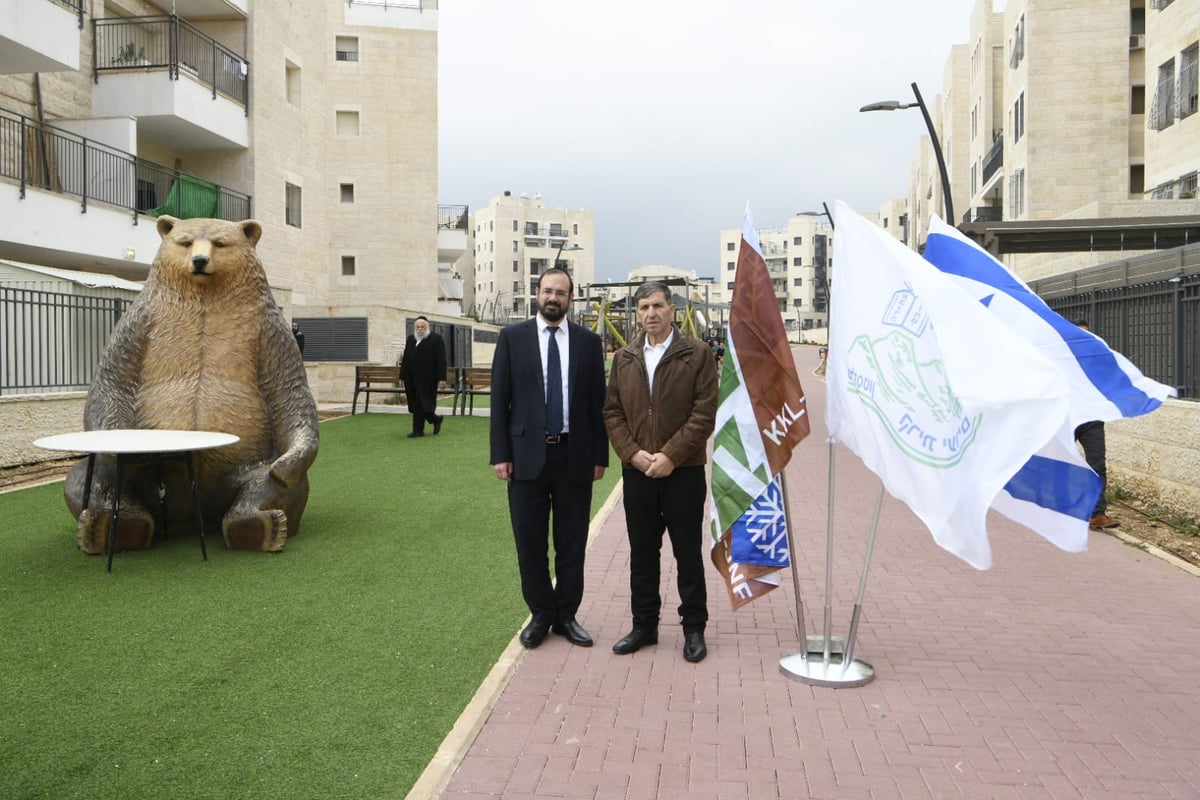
{"x":52,"y":341}
{"x":56,"y":160}
{"x":1147,"y":308}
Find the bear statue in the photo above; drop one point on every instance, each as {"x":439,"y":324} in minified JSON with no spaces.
{"x":204,"y":347}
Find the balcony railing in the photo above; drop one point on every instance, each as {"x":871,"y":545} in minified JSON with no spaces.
{"x":453,"y":218}
{"x":168,"y":42}
{"x":994,"y":158}
{"x":72,"y":5}
{"x":984,"y":214}
{"x":56,"y":160}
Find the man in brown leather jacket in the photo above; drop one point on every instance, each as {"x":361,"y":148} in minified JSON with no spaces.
{"x":660,"y":410}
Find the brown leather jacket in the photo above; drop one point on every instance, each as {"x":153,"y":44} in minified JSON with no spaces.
{"x":679,"y":418}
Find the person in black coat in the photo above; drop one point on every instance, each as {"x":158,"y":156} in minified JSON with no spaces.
{"x":549,"y":444}
{"x":423,"y":370}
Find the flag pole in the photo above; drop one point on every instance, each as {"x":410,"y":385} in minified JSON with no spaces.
{"x":787,"y":517}
{"x":848,"y":657}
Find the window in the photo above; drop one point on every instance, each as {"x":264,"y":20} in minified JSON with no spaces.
{"x":575,"y":229}
{"x":797,"y":281}
{"x":1137,"y":100}
{"x":347,"y":123}
{"x":798,"y":240}
{"x":516,"y":287}
{"x":729,"y":286}
{"x":347,"y":191}
{"x":346,"y":48}
{"x":515,"y":228}
{"x":334,"y":338}
{"x":1019,"y":118}
{"x":1188,"y":80}
{"x":291,"y":205}
{"x":796,"y":262}
{"x":516,"y":247}
{"x":974,"y":179}
{"x":1159,"y":5}
{"x":729,"y":265}
{"x":798,"y":303}
{"x":1017,"y":47}
{"x":1162,"y":113}
{"x":531,"y":229}
{"x":1017,"y":193}
{"x":347,"y":265}
{"x":516,"y":266}
{"x":291,"y":82}
{"x":729,"y":246}
{"x":1137,"y":179}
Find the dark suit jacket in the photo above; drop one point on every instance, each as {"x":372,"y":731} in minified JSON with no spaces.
{"x":422,"y":367}
{"x":519,"y":403}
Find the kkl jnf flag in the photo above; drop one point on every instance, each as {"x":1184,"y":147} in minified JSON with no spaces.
{"x":935,"y":394}
{"x":1054,"y":493}
{"x":762,"y":415}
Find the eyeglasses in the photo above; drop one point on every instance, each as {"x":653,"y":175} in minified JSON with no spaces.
{"x":559,"y":293}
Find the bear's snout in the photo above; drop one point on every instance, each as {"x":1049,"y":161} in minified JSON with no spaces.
{"x":199,"y":264}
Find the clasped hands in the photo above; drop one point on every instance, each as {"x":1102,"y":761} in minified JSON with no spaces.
{"x":653,"y":465}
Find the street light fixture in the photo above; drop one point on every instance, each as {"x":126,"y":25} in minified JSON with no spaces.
{"x":894,"y":105}
{"x":573,"y":248}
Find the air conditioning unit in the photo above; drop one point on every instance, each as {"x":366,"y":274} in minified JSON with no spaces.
{"x":1137,"y":41}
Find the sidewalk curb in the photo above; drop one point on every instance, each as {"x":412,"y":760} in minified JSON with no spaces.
{"x":456,"y":744}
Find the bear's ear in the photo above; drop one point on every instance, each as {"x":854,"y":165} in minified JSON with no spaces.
{"x":252,"y":230}
{"x":165,"y":223}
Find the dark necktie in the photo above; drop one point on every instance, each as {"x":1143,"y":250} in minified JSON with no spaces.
{"x":554,"y":398}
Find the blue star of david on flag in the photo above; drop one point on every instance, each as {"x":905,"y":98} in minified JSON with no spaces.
{"x":759,"y":536}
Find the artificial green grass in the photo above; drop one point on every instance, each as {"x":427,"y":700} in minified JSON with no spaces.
{"x":331,"y":670}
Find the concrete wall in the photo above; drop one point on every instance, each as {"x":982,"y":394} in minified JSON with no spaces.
{"x":29,"y":417}
{"x":1157,"y":456}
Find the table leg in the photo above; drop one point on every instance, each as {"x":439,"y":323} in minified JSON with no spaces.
{"x":116,"y":511}
{"x":87,"y":484}
{"x":196,"y":505}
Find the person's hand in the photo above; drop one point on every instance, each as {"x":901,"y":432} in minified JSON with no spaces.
{"x":441,"y":384}
{"x":641,"y":461}
{"x":597,"y":473}
{"x":660,"y":466}
{"x":503,"y":470}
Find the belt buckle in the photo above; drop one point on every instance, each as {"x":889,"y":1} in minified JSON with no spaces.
{"x":553,"y":438}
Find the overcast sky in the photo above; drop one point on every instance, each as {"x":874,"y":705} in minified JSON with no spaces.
{"x":665,"y":117}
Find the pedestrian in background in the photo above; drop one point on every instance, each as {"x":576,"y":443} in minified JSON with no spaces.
{"x":423,"y":370}
{"x":1090,"y":436}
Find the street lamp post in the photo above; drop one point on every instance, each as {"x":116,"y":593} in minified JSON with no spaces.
{"x":561,"y":247}
{"x":892,"y":105}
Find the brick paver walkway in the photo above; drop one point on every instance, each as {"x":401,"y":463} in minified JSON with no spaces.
{"x":1051,"y":676}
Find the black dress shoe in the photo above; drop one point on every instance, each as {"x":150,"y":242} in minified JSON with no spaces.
{"x":693,"y":647}
{"x":635,"y":640}
{"x":535,"y":632}
{"x":573,"y":631}
{"x":437,"y":424}
{"x":415,"y":435}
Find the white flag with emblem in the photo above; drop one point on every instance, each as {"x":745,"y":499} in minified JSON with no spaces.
{"x":934,"y":394}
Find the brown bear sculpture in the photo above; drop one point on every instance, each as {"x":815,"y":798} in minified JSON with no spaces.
{"x":204,"y":347}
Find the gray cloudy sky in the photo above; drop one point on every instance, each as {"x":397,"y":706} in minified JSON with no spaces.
{"x":665,"y":117}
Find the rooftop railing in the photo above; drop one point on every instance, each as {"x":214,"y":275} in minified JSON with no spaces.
{"x":454,"y":218}
{"x":172,"y":44}
{"x":44,"y":157}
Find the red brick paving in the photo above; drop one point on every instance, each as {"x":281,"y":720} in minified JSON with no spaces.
{"x":1052,"y":676}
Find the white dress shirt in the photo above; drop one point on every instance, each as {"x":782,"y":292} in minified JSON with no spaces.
{"x":564,"y":361}
{"x":653,"y":354}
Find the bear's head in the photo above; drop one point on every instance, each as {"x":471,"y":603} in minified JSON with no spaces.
{"x":207,"y":254}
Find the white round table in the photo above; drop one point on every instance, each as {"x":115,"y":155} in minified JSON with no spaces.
{"x":138,"y":446}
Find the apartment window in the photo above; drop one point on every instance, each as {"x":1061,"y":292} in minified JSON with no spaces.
{"x":348,"y":265}
{"x":291,"y":82}
{"x":575,"y":229}
{"x":515,"y":226}
{"x":516,"y":266}
{"x":516,"y":287}
{"x":1019,"y":118}
{"x":531,"y":229}
{"x":346,"y":48}
{"x":291,"y":205}
{"x":798,"y":240}
{"x":347,"y":123}
{"x":1018,"y":44}
{"x":1137,"y":179}
{"x":347,"y":192}
{"x":974,"y":121}
{"x":1187,"y":186}
{"x":796,"y":262}
{"x":797,"y":281}
{"x":1162,"y":113}
{"x":1016,"y":192}
{"x":729,"y":265}
{"x":798,"y":303}
{"x":729,"y":286}
{"x":1137,"y":100}
{"x":729,"y":246}
{"x":516,"y":247}
{"x":974,"y":176}
{"x":1188,"y":80}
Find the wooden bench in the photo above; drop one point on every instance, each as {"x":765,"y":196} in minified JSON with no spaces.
{"x":475,"y":381}
{"x":370,"y":378}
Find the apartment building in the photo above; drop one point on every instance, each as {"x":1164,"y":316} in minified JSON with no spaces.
{"x":516,"y":239}
{"x":322,"y":125}
{"x":798,"y":256}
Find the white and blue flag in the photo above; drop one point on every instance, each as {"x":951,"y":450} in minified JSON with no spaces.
{"x":1054,"y":493}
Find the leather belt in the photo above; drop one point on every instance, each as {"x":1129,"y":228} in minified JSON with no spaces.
{"x":556,"y":438}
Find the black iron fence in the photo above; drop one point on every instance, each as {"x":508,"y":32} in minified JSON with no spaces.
{"x":1147,"y":308}
{"x":169,"y":43}
{"x":73,"y":5}
{"x":454,"y":218}
{"x":56,"y":160}
{"x":52,"y":341}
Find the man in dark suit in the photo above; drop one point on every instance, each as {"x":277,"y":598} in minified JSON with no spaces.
{"x":423,"y":370}
{"x":548,"y":442}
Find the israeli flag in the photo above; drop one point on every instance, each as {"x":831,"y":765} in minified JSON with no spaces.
{"x":1055,"y":492}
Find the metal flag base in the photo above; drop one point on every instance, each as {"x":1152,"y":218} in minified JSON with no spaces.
{"x":816,"y":645}
{"x":814,"y":671}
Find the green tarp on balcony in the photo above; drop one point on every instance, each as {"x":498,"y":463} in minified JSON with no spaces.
{"x":189,"y":198}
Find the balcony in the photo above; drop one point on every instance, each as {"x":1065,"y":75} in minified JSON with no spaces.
{"x":186,"y":90}
{"x":40,"y":36}
{"x":452,"y":233}
{"x":70,"y":201}
{"x":984,"y":214}
{"x":994,"y":159}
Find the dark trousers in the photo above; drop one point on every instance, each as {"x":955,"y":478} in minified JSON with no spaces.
{"x":674,"y":504}
{"x":1090,"y":436}
{"x":423,"y":411}
{"x":531,"y":504}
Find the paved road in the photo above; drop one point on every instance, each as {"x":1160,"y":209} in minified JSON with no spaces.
{"x":1051,"y":676}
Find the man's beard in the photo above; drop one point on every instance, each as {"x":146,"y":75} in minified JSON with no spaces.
{"x":552,"y":314}
{"x":420,"y":336}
